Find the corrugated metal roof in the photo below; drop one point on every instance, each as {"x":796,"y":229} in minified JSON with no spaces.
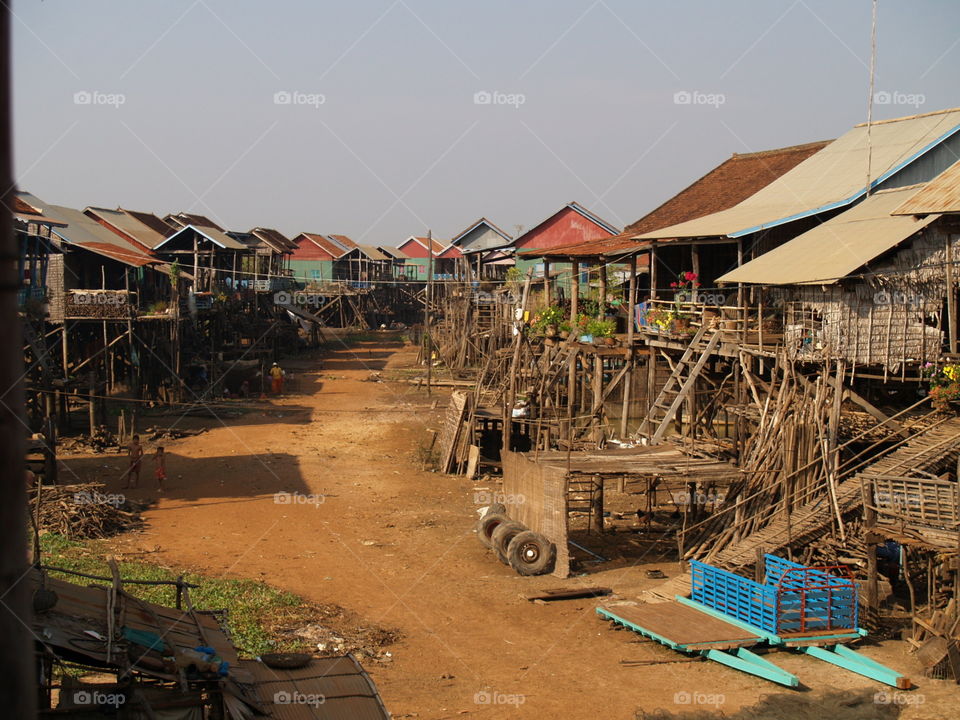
{"x":82,"y":231}
{"x":275,"y":239}
{"x":577,"y":208}
{"x":940,"y":195}
{"x":326,"y":689}
{"x":393,"y":252}
{"x":211,"y":234}
{"x":127,"y":223}
{"x":507,"y":240}
{"x":371,"y":252}
{"x":830,"y":179}
{"x":343,"y":240}
{"x":324,"y":243}
{"x":732,"y":181}
{"x":836,"y":248}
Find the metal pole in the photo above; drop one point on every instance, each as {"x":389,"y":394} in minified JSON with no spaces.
{"x":426,"y":310}
{"x":18,"y":690}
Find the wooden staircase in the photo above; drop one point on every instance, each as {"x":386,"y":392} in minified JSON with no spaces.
{"x":679,"y":385}
{"x":925,"y":450}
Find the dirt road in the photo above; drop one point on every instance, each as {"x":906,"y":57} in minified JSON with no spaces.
{"x":396,"y":545}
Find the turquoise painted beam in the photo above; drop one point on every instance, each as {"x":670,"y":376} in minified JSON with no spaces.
{"x":862,"y":665}
{"x":749,"y":662}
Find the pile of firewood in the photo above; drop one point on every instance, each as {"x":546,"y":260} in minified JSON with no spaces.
{"x":83,"y":511}
{"x":101,"y":441}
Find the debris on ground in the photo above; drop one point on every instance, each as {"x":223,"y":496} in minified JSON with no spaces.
{"x":84,"y":511}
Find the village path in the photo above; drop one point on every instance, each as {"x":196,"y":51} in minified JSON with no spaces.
{"x":396,"y":545}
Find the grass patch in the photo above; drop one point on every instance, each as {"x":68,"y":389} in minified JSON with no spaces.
{"x":262,"y":618}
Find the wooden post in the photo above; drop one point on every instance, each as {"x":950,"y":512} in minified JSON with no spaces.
{"x":511,"y":398}
{"x":426,"y":311}
{"x":546,"y":282}
{"x":18,"y":684}
{"x":951,"y":298}
{"x":602,"y":299}
{"x":596,"y":405}
{"x":574,"y":292}
{"x":739,"y":263}
{"x":630,"y":358}
{"x":653,"y":270}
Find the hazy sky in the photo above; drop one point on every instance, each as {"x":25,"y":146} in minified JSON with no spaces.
{"x":380,"y":118}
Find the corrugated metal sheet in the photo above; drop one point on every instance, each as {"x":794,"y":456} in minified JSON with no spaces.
{"x":84,"y":232}
{"x":211,"y":234}
{"x":832,"y":178}
{"x":130,"y":225}
{"x":837,"y":247}
{"x":940,"y":195}
{"x":340,"y":686}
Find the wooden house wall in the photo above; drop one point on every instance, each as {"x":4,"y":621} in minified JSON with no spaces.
{"x":890,"y":318}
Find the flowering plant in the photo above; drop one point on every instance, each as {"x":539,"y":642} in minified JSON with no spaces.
{"x":944,"y":384}
{"x":684,"y":286}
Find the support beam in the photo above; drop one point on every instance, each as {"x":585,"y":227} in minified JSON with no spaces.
{"x":574,"y":291}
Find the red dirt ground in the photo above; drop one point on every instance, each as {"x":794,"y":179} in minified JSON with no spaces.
{"x":396,"y":545}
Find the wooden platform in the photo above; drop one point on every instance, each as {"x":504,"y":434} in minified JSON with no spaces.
{"x":680,"y":626}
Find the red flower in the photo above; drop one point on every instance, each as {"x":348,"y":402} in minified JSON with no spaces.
{"x":690,"y":276}
{"x":674,"y":284}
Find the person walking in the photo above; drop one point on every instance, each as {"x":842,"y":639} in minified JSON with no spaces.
{"x":276,"y":379}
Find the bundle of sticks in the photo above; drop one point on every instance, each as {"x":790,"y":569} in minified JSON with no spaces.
{"x":82,"y":511}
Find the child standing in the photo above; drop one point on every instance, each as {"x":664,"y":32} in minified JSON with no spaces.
{"x":160,"y":461}
{"x":135,"y":455}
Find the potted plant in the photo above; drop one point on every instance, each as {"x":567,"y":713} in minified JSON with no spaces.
{"x":659,"y":318}
{"x":944,"y":385}
{"x":601,"y":329}
{"x":547,"y":320}
{"x":684,"y":287}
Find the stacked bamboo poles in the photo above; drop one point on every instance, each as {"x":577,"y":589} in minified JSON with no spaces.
{"x":786,"y":462}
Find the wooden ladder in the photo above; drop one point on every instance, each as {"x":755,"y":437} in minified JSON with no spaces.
{"x":678,"y":387}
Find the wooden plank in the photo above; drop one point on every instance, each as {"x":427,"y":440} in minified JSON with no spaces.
{"x":684,"y":626}
{"x":574,"y":594}
{"x":450,"y":433}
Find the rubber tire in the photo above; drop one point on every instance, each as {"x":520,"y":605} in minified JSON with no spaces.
{"x":486,"y":525}
{"x":530,"y":553}
{"x":503,"y":535}
{"x":496,"y":509}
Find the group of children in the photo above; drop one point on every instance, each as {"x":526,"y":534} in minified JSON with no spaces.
{"x":135,"y":454}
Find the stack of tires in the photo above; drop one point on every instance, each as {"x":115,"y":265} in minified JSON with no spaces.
{"x":527,"y":552}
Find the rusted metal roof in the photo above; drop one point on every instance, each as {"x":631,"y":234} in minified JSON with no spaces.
{"x":732,"y":181}
{"x":131,"y":226}
{"x":838,"y":247}
{"x":324,"y":243}
{"x":830,"y":179}
{"x":275,"y":239}
{"x":940,"y":195}
{"x":78,"y":230}
{"x":82,"y":608}
{"x":326,"y":689}
{"x":343,"y":240}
